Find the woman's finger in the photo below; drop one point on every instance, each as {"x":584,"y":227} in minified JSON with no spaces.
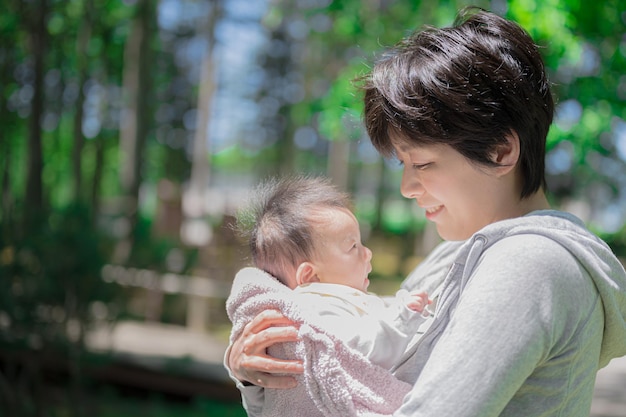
{"x":257,"y":343}
{"x":248,"y":358}
{"x":269,"y":365}
{"x":274,"y":381}
{"x":265,"y":319}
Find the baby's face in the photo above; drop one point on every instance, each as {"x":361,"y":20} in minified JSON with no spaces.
{"x":341,"y":257}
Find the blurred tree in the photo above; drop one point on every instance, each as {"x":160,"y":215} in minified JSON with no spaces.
{"x":280,"y":87}
{"x":583,"y":46}
{"x":200,"y":167}
{"x":49,"y":283}
{"x":136,"y":117}
{"x":9,"y":120}
{"x":50,"y":253}
{"x":83,"y":39}
{"x":34,"y":15}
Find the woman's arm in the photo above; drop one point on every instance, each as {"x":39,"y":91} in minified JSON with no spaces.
{"x":247,"y":358}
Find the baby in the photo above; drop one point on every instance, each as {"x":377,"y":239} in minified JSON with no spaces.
{"x":301,"y":231}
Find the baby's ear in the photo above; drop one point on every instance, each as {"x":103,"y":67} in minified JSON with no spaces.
{"x":306,"y":273}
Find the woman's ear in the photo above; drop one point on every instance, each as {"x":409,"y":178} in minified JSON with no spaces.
{"x":306,"y":273}
{"x":507,"y":153}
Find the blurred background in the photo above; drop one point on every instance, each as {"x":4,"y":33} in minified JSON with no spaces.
{"x":132,"y":130}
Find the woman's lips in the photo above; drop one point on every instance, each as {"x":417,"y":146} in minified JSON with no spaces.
{"x":432,"y":212}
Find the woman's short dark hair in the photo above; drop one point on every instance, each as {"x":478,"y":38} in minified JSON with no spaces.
{"x":279,"y":221}
{"x":467,"y":86}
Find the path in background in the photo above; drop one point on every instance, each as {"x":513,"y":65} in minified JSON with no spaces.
{"x":609,"y":398}
{"x":153,"y":340}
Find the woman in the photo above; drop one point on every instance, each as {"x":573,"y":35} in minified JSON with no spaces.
{"x":531,"y":303}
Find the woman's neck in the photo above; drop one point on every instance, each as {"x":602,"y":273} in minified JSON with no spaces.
{"x":537,"y":201}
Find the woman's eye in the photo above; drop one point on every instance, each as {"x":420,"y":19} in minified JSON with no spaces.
{"x":420,"y":166}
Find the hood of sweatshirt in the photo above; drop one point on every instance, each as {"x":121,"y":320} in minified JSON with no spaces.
{"x":591,"y":252}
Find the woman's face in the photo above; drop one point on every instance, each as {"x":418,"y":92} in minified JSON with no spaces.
{"x":459,"y":196}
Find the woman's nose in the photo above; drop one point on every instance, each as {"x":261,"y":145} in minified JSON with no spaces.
{"x":410,"y":186}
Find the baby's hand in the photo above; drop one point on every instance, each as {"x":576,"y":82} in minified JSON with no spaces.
{"x":418,"y":300}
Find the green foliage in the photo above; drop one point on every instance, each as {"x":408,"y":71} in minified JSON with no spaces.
{"x":399,"y":217}
{"x":151,"y":252}
{"x":582,"y":45}
{"x":49,"y":282}
{"x":51,"y":277}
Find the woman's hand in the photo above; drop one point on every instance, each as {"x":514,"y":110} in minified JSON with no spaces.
{"x":248,"y":359}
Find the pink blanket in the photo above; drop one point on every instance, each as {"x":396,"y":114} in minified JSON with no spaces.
{"x":338,"y":381}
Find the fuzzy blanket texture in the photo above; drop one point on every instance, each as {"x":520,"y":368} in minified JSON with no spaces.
{"x":338,"y":381}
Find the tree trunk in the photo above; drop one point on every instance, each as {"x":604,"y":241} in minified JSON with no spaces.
{"x":338,"y":162}
{"x":82,"y":42}
{"x":103,"y":138}
{"x":200,"y":167}
{"x":135,"y":120}
{"x":381,"y":195}
{"x":6,"y":198}
{"x":6,"y":147}
{"x":96,"y":180}
{"x":38,"y":39}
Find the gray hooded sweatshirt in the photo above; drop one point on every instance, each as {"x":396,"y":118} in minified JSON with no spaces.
{"x":527,"y":311}
{"x":530,"y":308}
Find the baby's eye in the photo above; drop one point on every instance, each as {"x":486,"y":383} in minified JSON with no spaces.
{"x":421,"y":166}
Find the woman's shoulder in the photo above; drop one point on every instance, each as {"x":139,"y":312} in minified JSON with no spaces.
{"x":533,"y":260}
{"x":529,"y":248}
{"x":554,"y":224}
{"x":547,"y":239}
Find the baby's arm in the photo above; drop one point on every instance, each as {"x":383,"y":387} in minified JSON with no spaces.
{"x":384,"y":332}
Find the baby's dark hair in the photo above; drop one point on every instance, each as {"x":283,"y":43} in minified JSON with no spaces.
{"x":278,"y":222}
